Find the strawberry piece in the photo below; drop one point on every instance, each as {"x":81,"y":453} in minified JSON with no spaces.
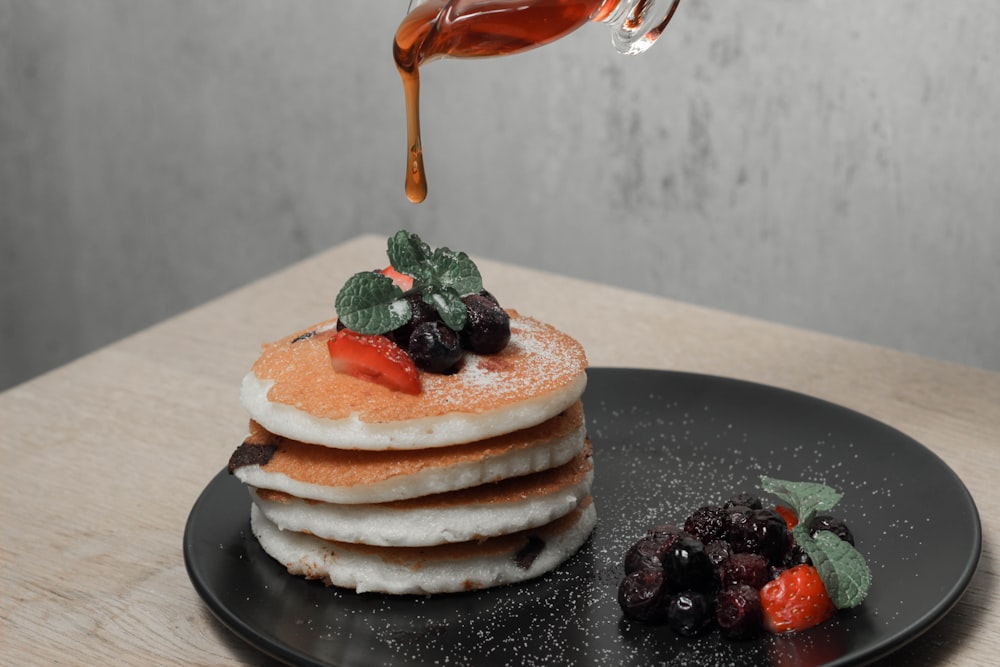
{"x":788,"y":514}
{"x":401,"y":280}
{"x":796,"y":600}
{"x":374,"y":358}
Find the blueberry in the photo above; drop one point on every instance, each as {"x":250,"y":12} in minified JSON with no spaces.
{"x":797,"y":556}
{"x":420,"y":312}
{"x":643,"y":595}
{"x":487,"y":329}
{"x":689,"y":613}
{"x":489,"y":297}
{"x":434,"y":347}
{"x":688,"y":567}
{"x":744,"y":500}
{"x":832,"y":524}
{"x":762,"y":532}
{"x":649,"y":551}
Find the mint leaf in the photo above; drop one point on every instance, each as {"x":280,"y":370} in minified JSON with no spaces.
{"x":841,"y":567}
{"x":457,"y":271}
{"x":806,"y":498}
{"x":370,"y":303}
{"x":409,"y":255}
{"x":433,"y":270}
{"x":449,"y":306}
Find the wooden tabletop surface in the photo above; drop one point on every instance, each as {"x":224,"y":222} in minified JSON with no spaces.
{"x":102,"y":459}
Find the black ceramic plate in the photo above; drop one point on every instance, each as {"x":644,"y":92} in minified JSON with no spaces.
{"x":664,"y":444}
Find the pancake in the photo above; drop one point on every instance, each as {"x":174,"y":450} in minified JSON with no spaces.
{"x":345,"y":476}
{"x":292,"y":391}
{"x":483,"y":478}
{"x":459,"y":516}
{"x":447,"y":568}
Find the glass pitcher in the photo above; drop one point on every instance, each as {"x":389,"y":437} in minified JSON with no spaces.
{"x":473,"y":28}
{"x":435,"y":29}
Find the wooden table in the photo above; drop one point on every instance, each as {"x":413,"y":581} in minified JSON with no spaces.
{"x":103,"y":458}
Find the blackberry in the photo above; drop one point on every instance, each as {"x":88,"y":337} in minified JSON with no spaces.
{"x":662,"y":530}
{"x":487,"y":329}
{"x":744,"y":569}
{"x":643,"y":595}
{"x":832,"y":524}
{"x":689,"y":613}
{"x":707,"y":523}
{"x":760,"y":531}
{"x":735,"y":514}
{"x":738,"y":612}
{"x":434,"y":347}
{"x":688,"y":567}
{"x":718,"y":551}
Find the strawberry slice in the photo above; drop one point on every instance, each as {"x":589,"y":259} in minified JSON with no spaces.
{"x":788,"y":514}
{"x":796,"y":600}
{"x":374,"y":358}
{"x":401,"y":280}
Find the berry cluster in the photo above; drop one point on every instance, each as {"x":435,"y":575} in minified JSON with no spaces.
{"x":735,"y":567}
{"x":436,"y":348}
{"x":421,"y":312}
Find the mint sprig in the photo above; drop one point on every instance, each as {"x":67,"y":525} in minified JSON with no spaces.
{"x":370,"y":303}
{"x":842,"y":568}
{"x":806,"y":498}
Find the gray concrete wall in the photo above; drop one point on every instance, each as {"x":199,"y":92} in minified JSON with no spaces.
{"x":828,"y":165}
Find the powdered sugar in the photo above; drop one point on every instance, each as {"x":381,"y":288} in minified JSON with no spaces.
{"x":292,"y":391}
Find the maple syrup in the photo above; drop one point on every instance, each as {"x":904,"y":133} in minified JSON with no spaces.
{"x":478,"y":28}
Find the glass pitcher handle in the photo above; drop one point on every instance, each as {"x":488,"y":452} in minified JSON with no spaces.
{"x":635,"y":24}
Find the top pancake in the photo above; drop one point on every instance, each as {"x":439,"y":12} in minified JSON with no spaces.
{"x":293,"y":391}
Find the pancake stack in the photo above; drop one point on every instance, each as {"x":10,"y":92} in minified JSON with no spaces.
{"x":481,"y":479}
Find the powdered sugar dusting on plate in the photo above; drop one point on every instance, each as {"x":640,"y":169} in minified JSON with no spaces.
{"x":664,"y":444}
